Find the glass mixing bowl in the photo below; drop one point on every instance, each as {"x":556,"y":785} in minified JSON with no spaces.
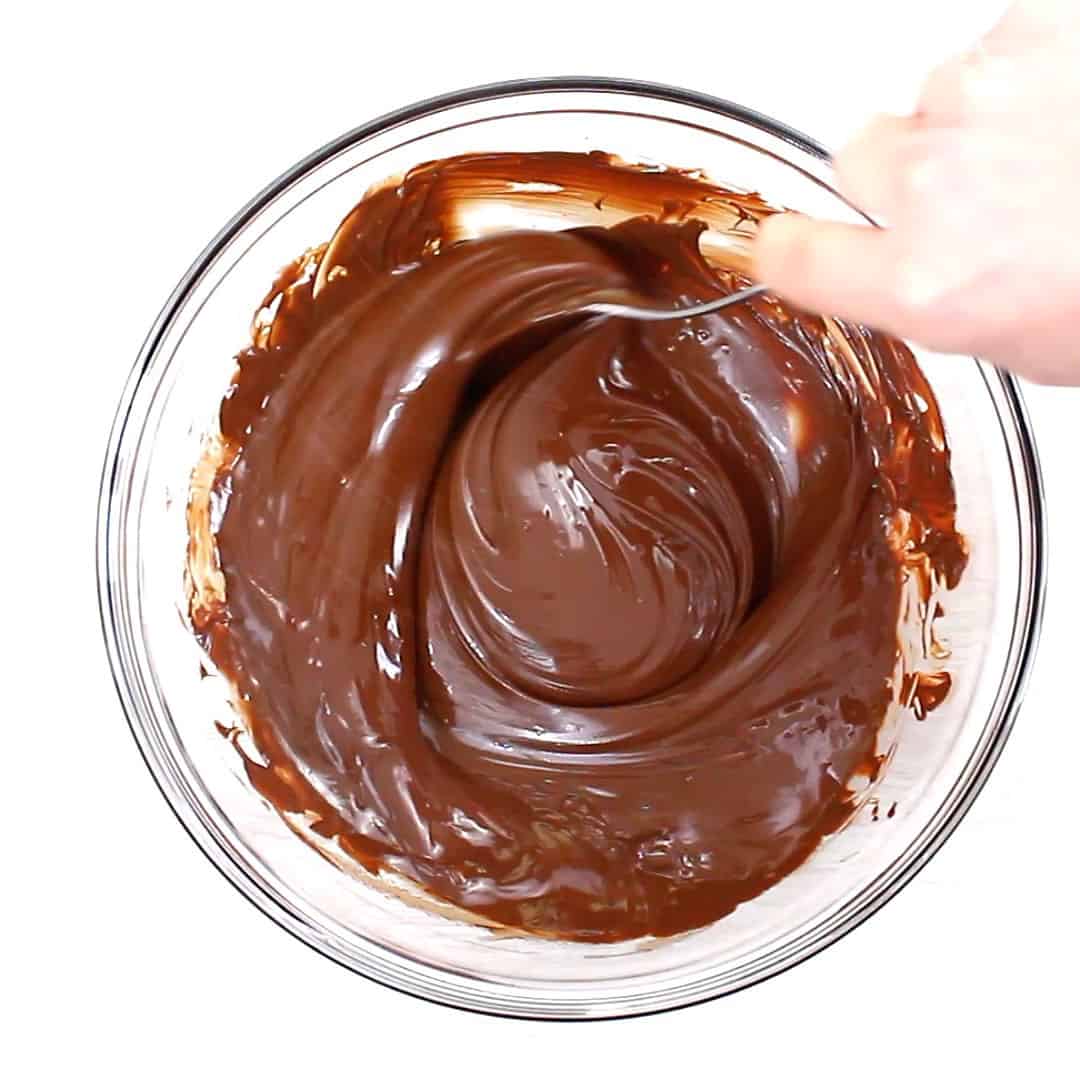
{"x":171,"y":401}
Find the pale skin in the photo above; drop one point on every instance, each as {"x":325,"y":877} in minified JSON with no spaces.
{"x":978,"y":195}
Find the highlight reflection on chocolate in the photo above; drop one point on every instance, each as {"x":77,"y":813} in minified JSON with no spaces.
{"x":586,"y":626}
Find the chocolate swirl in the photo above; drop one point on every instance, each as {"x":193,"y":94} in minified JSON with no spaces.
{"x":586,"y":626}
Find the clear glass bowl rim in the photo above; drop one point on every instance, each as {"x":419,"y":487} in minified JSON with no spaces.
{"x":1026,"y":628}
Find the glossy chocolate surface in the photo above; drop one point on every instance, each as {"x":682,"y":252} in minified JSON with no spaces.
{"x":586,"y":626}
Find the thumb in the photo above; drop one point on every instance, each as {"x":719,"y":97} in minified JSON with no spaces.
{"x":845,"y":270}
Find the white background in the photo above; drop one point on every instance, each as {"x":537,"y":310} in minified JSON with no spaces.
{"x":133,"y":133}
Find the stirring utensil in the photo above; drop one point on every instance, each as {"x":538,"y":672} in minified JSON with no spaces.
{"x":651,"y":314}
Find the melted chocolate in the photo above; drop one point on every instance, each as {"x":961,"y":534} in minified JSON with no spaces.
{"x":586,"y":626}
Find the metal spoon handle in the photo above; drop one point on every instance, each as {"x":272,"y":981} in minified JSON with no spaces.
{"x":628,"y":311}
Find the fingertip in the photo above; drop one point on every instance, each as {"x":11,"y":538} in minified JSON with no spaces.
{"x":779,"y":249}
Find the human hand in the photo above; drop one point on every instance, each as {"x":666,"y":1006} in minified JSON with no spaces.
{"x":979,"y":196}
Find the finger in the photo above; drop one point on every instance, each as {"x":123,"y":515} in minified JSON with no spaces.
{"x":844,"y":270}
{"x":866,"y":169}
